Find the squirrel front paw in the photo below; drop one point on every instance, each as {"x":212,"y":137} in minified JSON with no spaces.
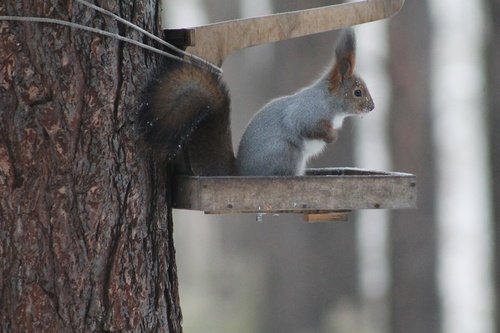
{"x":322,"y":130}
{"x":328,"y":133}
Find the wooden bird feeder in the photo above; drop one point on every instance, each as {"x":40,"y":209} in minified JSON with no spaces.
{"x":322,"y":194}
{"x":214,"y":42}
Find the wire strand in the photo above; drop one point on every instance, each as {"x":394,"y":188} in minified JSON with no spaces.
{"x":109,"y":34}
{"x":86,"y":28}
{"x":150,"y":35}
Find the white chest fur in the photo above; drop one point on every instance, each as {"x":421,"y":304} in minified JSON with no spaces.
{"x":311,"y":148}
{"x":338,"y":120}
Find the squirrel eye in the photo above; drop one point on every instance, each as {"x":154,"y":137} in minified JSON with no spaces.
{"x":358,"y":93}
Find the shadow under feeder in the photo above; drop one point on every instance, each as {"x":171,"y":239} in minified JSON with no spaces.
{"x":322,"y":194}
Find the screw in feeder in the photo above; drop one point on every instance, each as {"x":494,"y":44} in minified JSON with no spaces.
{"x":259,"y":217}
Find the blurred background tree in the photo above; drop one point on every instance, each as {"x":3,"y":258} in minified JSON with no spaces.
{"x":493,"y":84}
{"x":414,"y":294}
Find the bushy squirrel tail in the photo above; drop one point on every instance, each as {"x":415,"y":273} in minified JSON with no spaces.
{"x":178,"y":102}
{"x":188,"y":109}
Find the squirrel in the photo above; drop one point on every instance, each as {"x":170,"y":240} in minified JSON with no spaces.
{"x":188,"y":110}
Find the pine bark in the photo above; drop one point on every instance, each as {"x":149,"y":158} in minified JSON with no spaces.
{"x":85,"y":223}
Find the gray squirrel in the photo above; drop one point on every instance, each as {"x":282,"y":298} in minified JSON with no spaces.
{"x":188,"y":107}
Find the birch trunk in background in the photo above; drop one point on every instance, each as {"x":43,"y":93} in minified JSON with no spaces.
{"x":372,"y":152}
{"x":463,"y":206}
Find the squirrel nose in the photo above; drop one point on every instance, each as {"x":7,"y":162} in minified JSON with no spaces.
{"x":371,"y":106}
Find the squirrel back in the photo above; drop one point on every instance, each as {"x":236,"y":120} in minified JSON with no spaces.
{"x":186,"y":118}
{"x":288,"y":131}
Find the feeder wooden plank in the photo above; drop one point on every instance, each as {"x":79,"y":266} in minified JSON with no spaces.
{"x":320,"y":191}
{"x":327,"y":217}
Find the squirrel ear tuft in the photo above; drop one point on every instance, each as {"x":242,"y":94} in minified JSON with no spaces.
{"x":345,"y":58}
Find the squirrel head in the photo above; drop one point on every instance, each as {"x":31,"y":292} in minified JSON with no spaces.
{"x":343,"y":83}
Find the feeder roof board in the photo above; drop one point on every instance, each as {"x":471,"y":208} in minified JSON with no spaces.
{"x":214,"y":42}
{"x":319,"y":191}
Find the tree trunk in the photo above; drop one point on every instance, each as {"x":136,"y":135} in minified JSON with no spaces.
{"x":493,"y":70}
{"x":85,"y":222}
{"x":414,"y":294}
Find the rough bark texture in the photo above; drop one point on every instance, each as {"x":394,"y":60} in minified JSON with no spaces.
{"x":85,"y":227}
{"x":493,"y":70}
{"x":415,"y":297}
